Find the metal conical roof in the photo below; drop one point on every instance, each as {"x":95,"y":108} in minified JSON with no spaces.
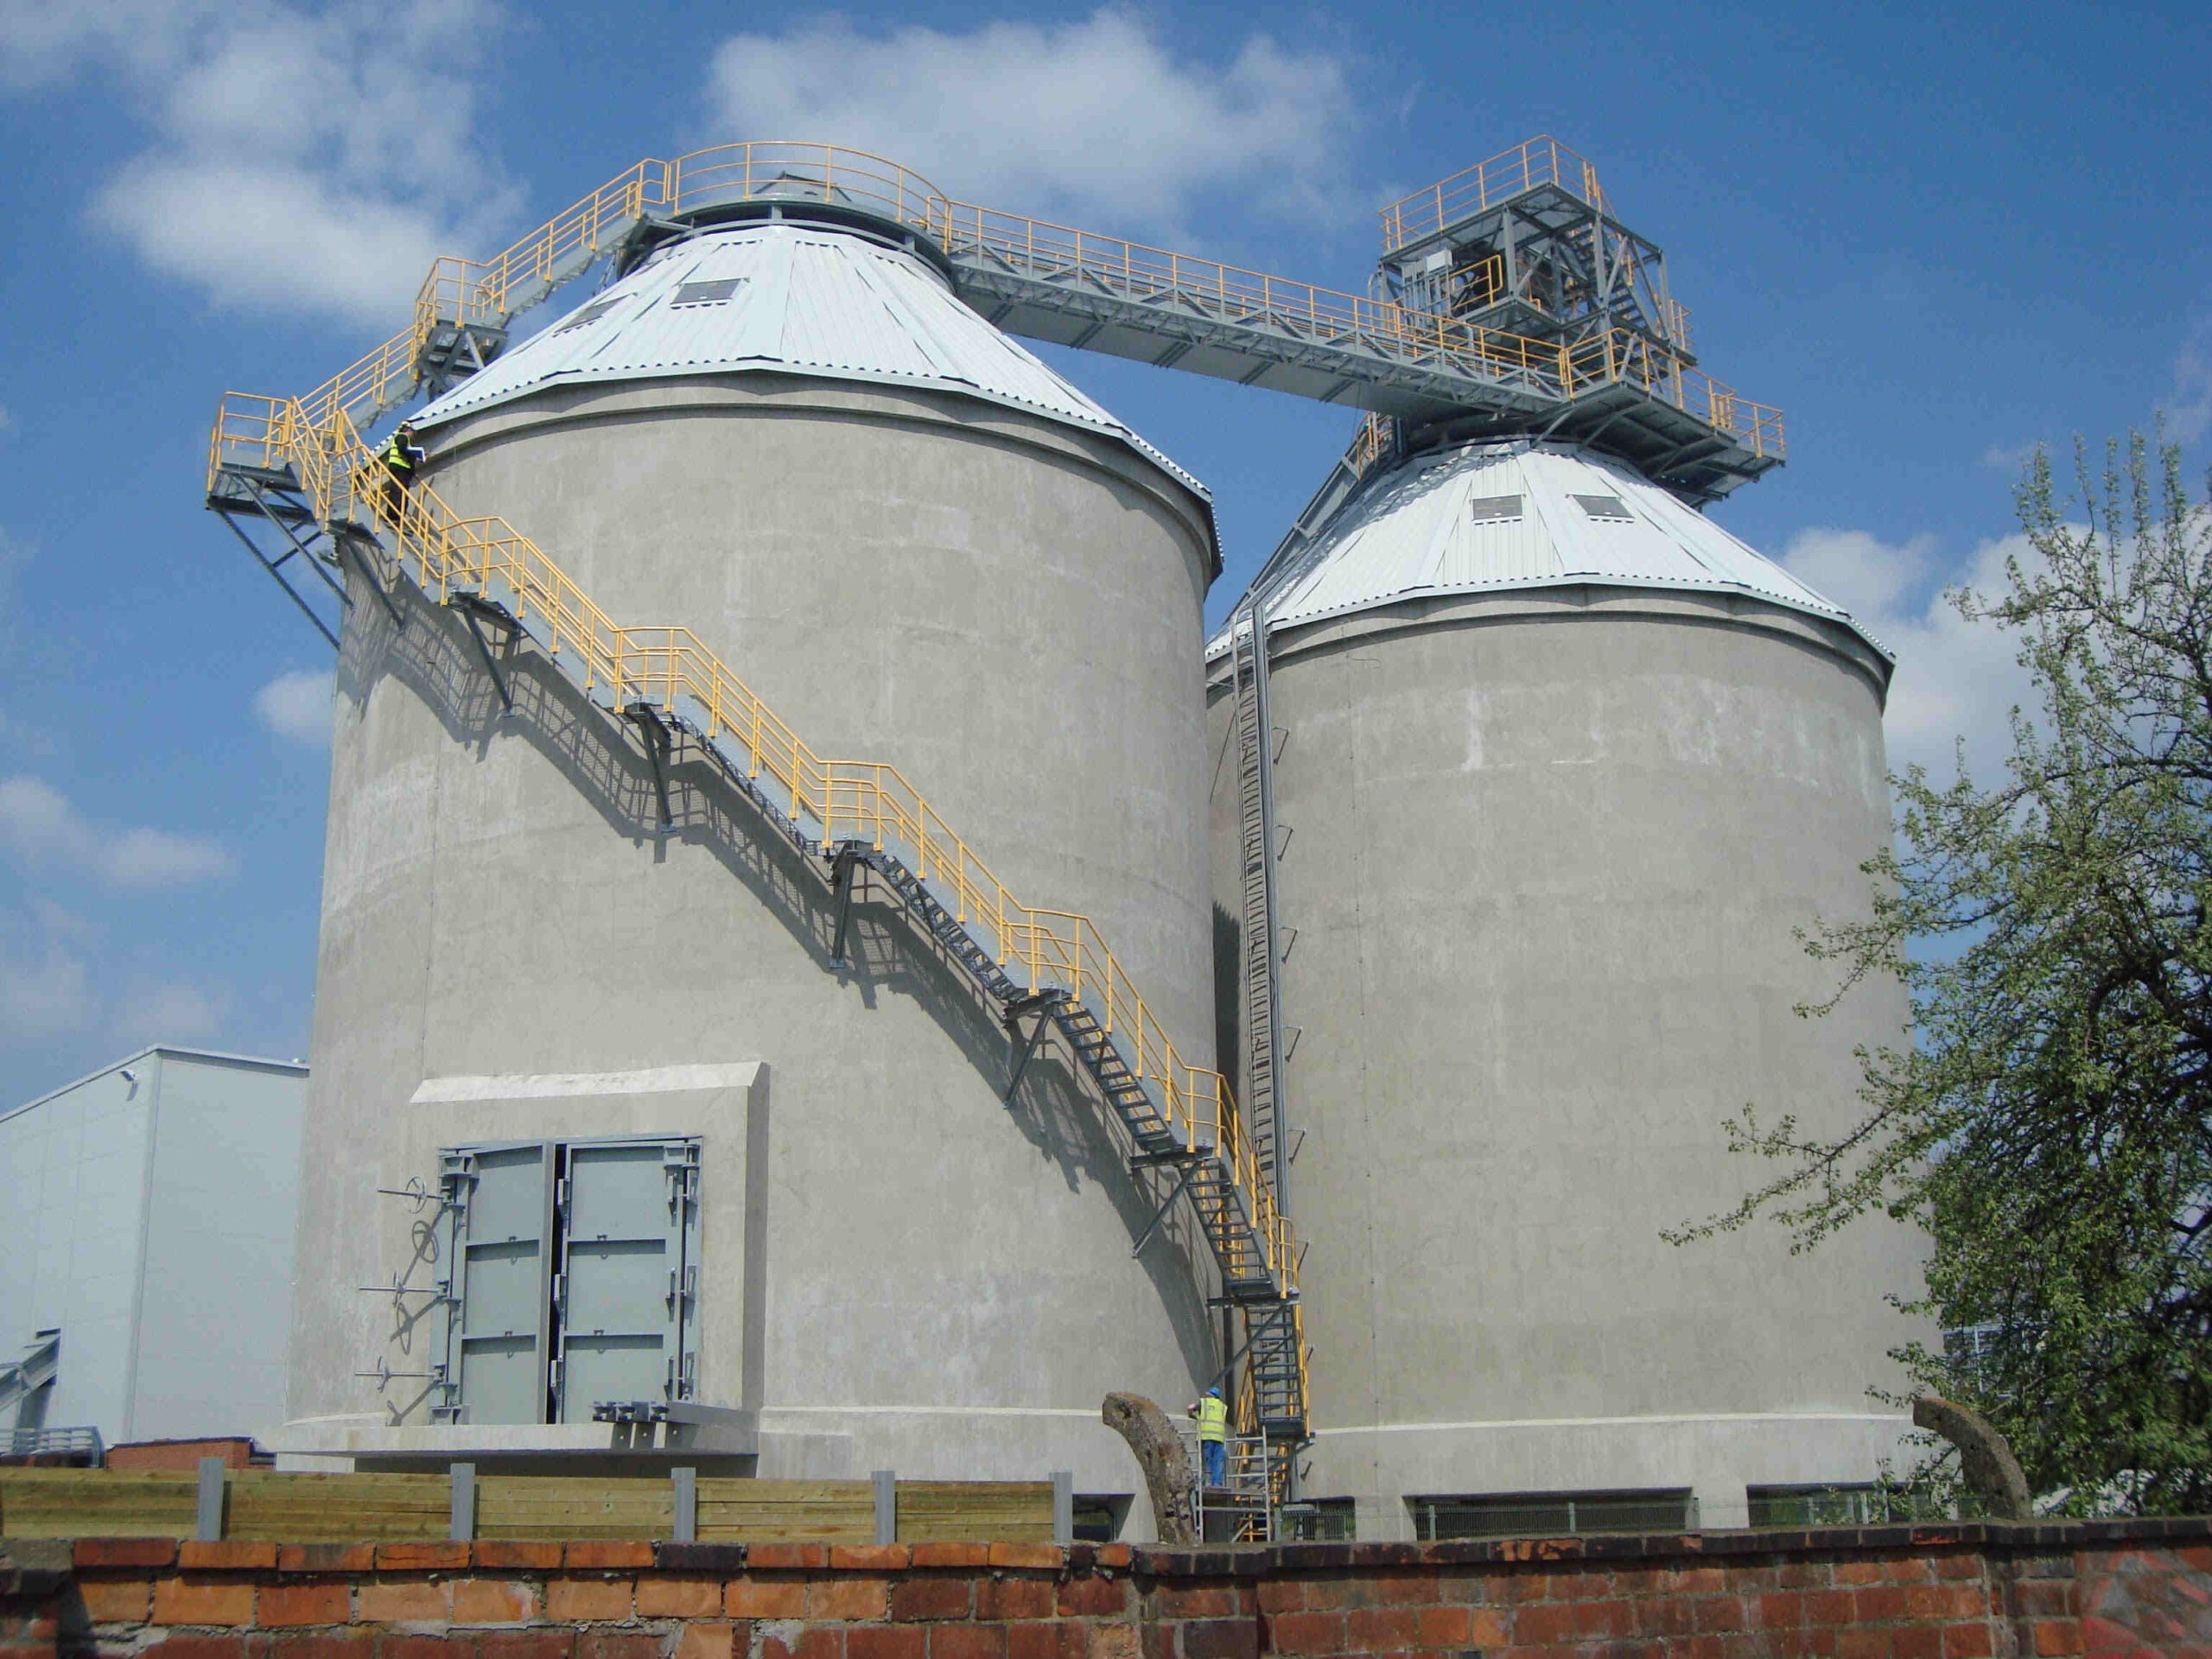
{"x":1493,"y":517}
{"x":794,"y":298}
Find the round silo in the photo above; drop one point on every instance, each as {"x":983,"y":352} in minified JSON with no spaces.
{"x":1562,"y":764}
{"x":919,"y":546}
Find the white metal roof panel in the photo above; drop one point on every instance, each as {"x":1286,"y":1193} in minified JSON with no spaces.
{"x":1442,"y":524}
{"x":808,"y":300}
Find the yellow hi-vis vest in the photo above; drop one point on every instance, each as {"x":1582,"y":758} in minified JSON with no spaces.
{"x":1213,"y":1419}
{"x":397,"y":458}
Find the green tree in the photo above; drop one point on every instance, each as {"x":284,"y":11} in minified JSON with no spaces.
{"x":2050,"y":1122}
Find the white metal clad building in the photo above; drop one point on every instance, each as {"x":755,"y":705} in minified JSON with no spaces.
{"x":148,"y":1213}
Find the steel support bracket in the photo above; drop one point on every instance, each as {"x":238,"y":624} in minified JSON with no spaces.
{"x":658,"y":744}
{"x":475,"y":610}
{"x":846,"y":859}
{"x":1044,"y":1005}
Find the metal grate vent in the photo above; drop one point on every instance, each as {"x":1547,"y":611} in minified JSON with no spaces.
{"x":1486,"y":508}
{"x":1603,"y":506}
{"x":588,"y":315}
{"x":717,"y":292}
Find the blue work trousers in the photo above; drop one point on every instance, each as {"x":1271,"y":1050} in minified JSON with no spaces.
{"x":1216,"y":1455}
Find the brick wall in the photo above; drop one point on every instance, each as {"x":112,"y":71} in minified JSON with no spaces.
{"x":1928,"y":1593}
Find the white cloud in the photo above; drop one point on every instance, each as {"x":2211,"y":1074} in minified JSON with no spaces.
{"x":297,"y":705}
{"x":167,"y":1012}
{"x":49,"y":984}
{"x":1097,"y":118}
{"x":312,"y":159}
{"x":2191,"y":416}
{"x":39,"y":827}
{"x":7,"y":421}
{"x":2007,"y":458}
{"x":1954,"y":679}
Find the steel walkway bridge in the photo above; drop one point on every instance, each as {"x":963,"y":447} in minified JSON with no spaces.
{"x":1509,"y":300}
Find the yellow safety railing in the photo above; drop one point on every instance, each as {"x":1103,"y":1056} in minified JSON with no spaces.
{"x":869,"y":801}
{"x":1541,"y":160}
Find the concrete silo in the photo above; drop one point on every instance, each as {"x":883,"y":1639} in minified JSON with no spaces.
{"x":1560,"y":765}
{"x":779,"y":427}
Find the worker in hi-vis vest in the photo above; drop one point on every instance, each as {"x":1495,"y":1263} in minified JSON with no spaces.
{"x":401,"y":456}
{"x":1213,"y":1436}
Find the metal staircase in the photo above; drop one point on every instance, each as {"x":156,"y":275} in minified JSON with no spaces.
{"x":662,"y":685}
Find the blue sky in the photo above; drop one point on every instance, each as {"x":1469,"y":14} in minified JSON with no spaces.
{"x":1933,"y":237}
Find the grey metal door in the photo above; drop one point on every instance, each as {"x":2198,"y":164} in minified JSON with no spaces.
{"x":627,"y":1277}
{"x":501,"y":1214}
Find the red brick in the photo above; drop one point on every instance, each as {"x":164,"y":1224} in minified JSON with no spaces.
{"x":1120,"y":1641}
{"x":584,"y":1600}
{"x":123,"y":1552}
{"x":933,"y":1597}
{"x":765,"y":1598}
{"x":507,"y":1601}
{"x":1306,"y":1633}
{"x":1945,"y":1601}
{"x":1665,"y":1616}
{"x":1044,"y":1639}
{"x":393,"y":1645}
{"x":116,"y":1601}
{"x":1443,"y":1627}
{"x":1916,"y":1642}
{"x":886,"y":1641}
{"x":326,"y":1558}
{"x":1806,"y":1575}
{"x":207,"y":1647}
{"x":605,"y":1552}
{"x":225,"y":1556}
{"x":1967,"y":1642}
{"x":870,"y":1558}
{"x":616,"y":1644}
{"x":1836,"y":1606}
{"x":1282,"y":1595}
{"x":671,"y":1597}
{"x":525,"y":1644}
{"x":1092,"y":1597}
{"x":1545,"y":1624}
{"x":952,"y":1554}
{"x":321,"y":1601}
{"x":1907,"y":1569}
{"x":356,"y":1642}
{"x":421,"y":1557}
{"x":1014,"y":1599}
{"x":2044,"y":1597}
{"x":787,"y":1557}
{"x":821,"y":1642}
{"x":1182,"y":1601}
{"x":967,"y":1641}
{"x":712,"y":1639}
{"x":1694,"y":1581}
{"x":1232,"y":1638}
{"x":1782,"y":1610}
{"x":1879,"y":1604}
{"x":1581,"y":1586}
{"x":854,"y":1598}
{"x":1489,"y":1627}
{"x":1962,"y":1566}
{"x":1862,"y":1644}
{"x":2057,"y":1636}
{"x":406,"y":1602}
{"x":1115,"y":1555}
{"x":511,"y":1554}
{"x":1374,"y":1629}
{"x":202,"y":1601}
{"x":1043,"y":1555}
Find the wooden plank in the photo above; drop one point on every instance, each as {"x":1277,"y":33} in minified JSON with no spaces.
{"x":302,"y":1508}
{"x":978,"y":1511}
{"x":787,"y":1511}
{"x":573,"y":1506}
{"x":97,"y":1502}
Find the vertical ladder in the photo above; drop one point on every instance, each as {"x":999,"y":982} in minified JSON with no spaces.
{"x":1262,"y":1033}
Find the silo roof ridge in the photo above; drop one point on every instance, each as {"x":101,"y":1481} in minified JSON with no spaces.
{"x":1493,"y":517}
{"x":792,"y":297}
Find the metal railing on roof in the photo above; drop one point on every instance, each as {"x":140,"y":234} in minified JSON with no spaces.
{"x":1541,"y":160}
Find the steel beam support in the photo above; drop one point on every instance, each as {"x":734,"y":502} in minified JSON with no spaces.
{"x":843,"y":865}
{"x":462,"y":602}
{"x":1161,"y":1214}
{"x":277,"y":577}
{"x":658,"y":745}
{"x":1043,"y":1003}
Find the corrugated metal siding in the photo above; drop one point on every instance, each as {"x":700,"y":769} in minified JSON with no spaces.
{"x":811,"y":301}
{"x":1414,"y":533}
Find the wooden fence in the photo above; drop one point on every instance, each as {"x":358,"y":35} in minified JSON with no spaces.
{"x":266,"y":1505}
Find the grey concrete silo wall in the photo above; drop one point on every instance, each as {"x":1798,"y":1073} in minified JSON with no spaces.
{"x":1545,"y":855}
{"x":1006,"y":608}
